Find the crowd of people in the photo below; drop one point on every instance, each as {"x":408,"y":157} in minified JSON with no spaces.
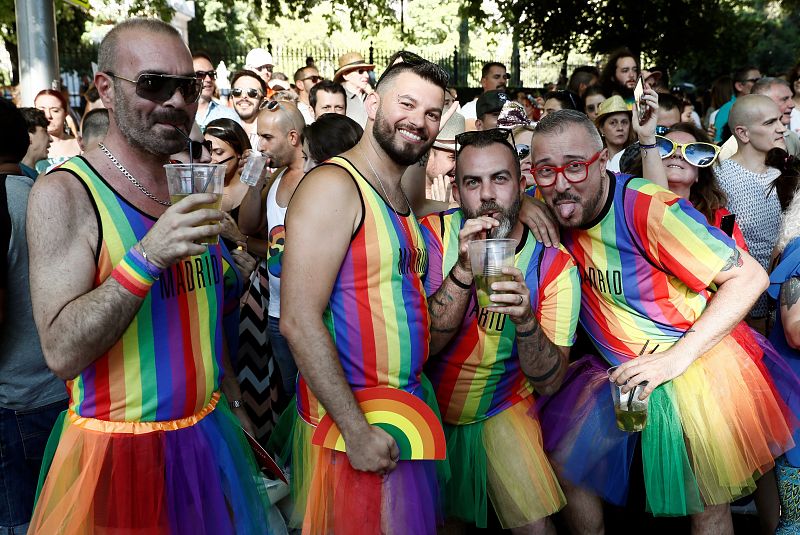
{"x":143,"y":371}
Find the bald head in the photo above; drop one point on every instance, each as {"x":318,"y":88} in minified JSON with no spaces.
{"x":755,"y":120}
{"x":749,"y":110}
{"x":286,"y":117}
{"x":109,"y":47}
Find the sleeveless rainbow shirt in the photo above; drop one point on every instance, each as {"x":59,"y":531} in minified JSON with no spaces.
{"x":646,"y":264}
{"x":377,"y":315}
{"x":167,"y":364}
{"x":478,"y":374}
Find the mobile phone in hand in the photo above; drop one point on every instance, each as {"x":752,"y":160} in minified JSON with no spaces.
{"x":638,"y":93}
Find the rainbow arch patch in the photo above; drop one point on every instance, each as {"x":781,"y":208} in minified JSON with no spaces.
{"x":408,"y":419}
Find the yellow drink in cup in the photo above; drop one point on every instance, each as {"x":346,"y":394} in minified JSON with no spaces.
{"x":187,"y":179}
{"x":488,"y":258}
{"x":630,"y":411}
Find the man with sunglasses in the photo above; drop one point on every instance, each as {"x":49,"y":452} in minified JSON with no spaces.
{"x":305,"y":79}
{"x":260,"y":61}
{"x":743,"y":80}
{"x":648,"y":262}
{"x":208,"y":108}
{"x":353,"y":73}
{"x":486,"y":362}
{"x":280,"y":138}
{"x":129,"y":309}
{"x":248,"y":91}
{"x":354,"y":312}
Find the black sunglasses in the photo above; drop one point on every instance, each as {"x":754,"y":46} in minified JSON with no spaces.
{"x":160,"y":87}
{"x":412,"y":59}
{"x":494,"y":134}
{"x":252,"y":93}
{"x":314,"y":79}
{"x":195,"y":148}
{"x":203,"y":74}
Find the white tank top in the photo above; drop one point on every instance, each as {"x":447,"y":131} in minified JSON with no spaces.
{"x":276,"y":235}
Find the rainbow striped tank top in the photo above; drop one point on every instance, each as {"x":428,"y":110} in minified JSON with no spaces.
{"x":478,"y":375}
{"x":168,"y":362}
{"x":377,"y":314}
{"x":646,"y":264}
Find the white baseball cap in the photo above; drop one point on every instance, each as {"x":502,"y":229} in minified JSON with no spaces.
{"x":258,"y":57}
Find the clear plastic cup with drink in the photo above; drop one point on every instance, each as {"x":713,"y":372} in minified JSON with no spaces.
{"x":488,"y":258}
{"x":253,"y":168}
{"x":184,"y":179}
{"x":630,"y":411}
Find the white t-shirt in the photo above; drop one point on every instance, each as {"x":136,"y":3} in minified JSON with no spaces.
{"x":613,"y":163}
{"x":276,"y":233}
{"x":469,"y":110}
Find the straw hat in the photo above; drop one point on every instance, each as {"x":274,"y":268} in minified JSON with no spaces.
{"x":446,"y":140}
{"x":615,"y":104}
{"x":348,"y":62}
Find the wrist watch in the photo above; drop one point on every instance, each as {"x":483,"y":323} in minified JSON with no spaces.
{"x":236,"y":404}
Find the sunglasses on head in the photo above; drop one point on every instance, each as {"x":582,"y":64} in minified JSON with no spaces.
{"x":494,"y":134}
{"x":662,"y":130}
{"x":698,"y":154}
{"x":160,"y":87}
{"x":202,"y":74}
{"x":252,"y":93}
{"x":523,"y":151}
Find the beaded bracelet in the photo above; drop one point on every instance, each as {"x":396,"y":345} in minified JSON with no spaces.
{"x":644,"y":147}
{"x":133,"y":273}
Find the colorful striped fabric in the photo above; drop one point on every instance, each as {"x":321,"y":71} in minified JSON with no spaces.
{"x":478,"y":374}
{"x":167,"y":364}
{"x":646,"y":264}
{"x":377,"y":314}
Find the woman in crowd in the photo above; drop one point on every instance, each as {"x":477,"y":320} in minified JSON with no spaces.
{"x":614,"y":123}
{"x":561,"y":100}
{"x":619,"y":75}
{"x":592,"y":99}
{"x":63,"y":143}
{"x":687,"y":157}
{"x":721,"y":92}
{"x":253,"y":361}
{"x":329,"y":135}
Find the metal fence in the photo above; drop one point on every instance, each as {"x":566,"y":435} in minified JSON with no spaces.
{"x":464,"y":69}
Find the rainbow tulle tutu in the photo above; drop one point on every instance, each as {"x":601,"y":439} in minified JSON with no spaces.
{"x":710,"y":433}
{"x":195,"y":475}
{"x":502,"y":459}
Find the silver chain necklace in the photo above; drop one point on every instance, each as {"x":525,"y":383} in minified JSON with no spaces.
{"x":385,"y":195}
{"x":130,"y":176}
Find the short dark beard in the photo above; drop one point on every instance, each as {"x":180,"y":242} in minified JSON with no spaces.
{"x":141,"y":136}
{"x":383,"y":133}
{"x":590,"y":209}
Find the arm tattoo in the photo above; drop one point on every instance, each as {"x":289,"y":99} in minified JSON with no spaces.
{"x":790,"y":292}
{"x":734,"y":261}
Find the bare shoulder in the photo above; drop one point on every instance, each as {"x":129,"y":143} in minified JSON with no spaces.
{"x":328,"y":191}
{"x":59,"y":211}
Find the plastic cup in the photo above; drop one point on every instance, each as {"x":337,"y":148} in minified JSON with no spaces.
{"x":184,"y":179}
{"x":253,"y":168}
{"x":488,"y":258}
{"x":630,"y":411}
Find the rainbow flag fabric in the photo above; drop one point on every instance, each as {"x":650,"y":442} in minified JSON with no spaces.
{"x":378,"y":312}
{"x":646,"y":264}
{"x":478,"y":374}
{"x":167,"y":364}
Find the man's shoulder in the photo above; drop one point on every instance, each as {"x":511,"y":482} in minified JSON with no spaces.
{"x":221,"y":111}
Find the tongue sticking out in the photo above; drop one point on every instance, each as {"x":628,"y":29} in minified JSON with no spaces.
{"x":566,"y":209}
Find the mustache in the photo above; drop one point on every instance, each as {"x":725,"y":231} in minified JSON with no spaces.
{"x":487,"y":207}
{"x":171,"y":116}
{"x":565,"y":196}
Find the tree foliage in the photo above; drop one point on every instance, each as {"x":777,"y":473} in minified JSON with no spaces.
{"x":698,"y":38}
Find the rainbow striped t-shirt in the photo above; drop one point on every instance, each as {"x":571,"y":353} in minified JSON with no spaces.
{"x":167,"y":364}
{"x":377,"y":314}
{"x":478,"y":374}
{"x":646,"y":265}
